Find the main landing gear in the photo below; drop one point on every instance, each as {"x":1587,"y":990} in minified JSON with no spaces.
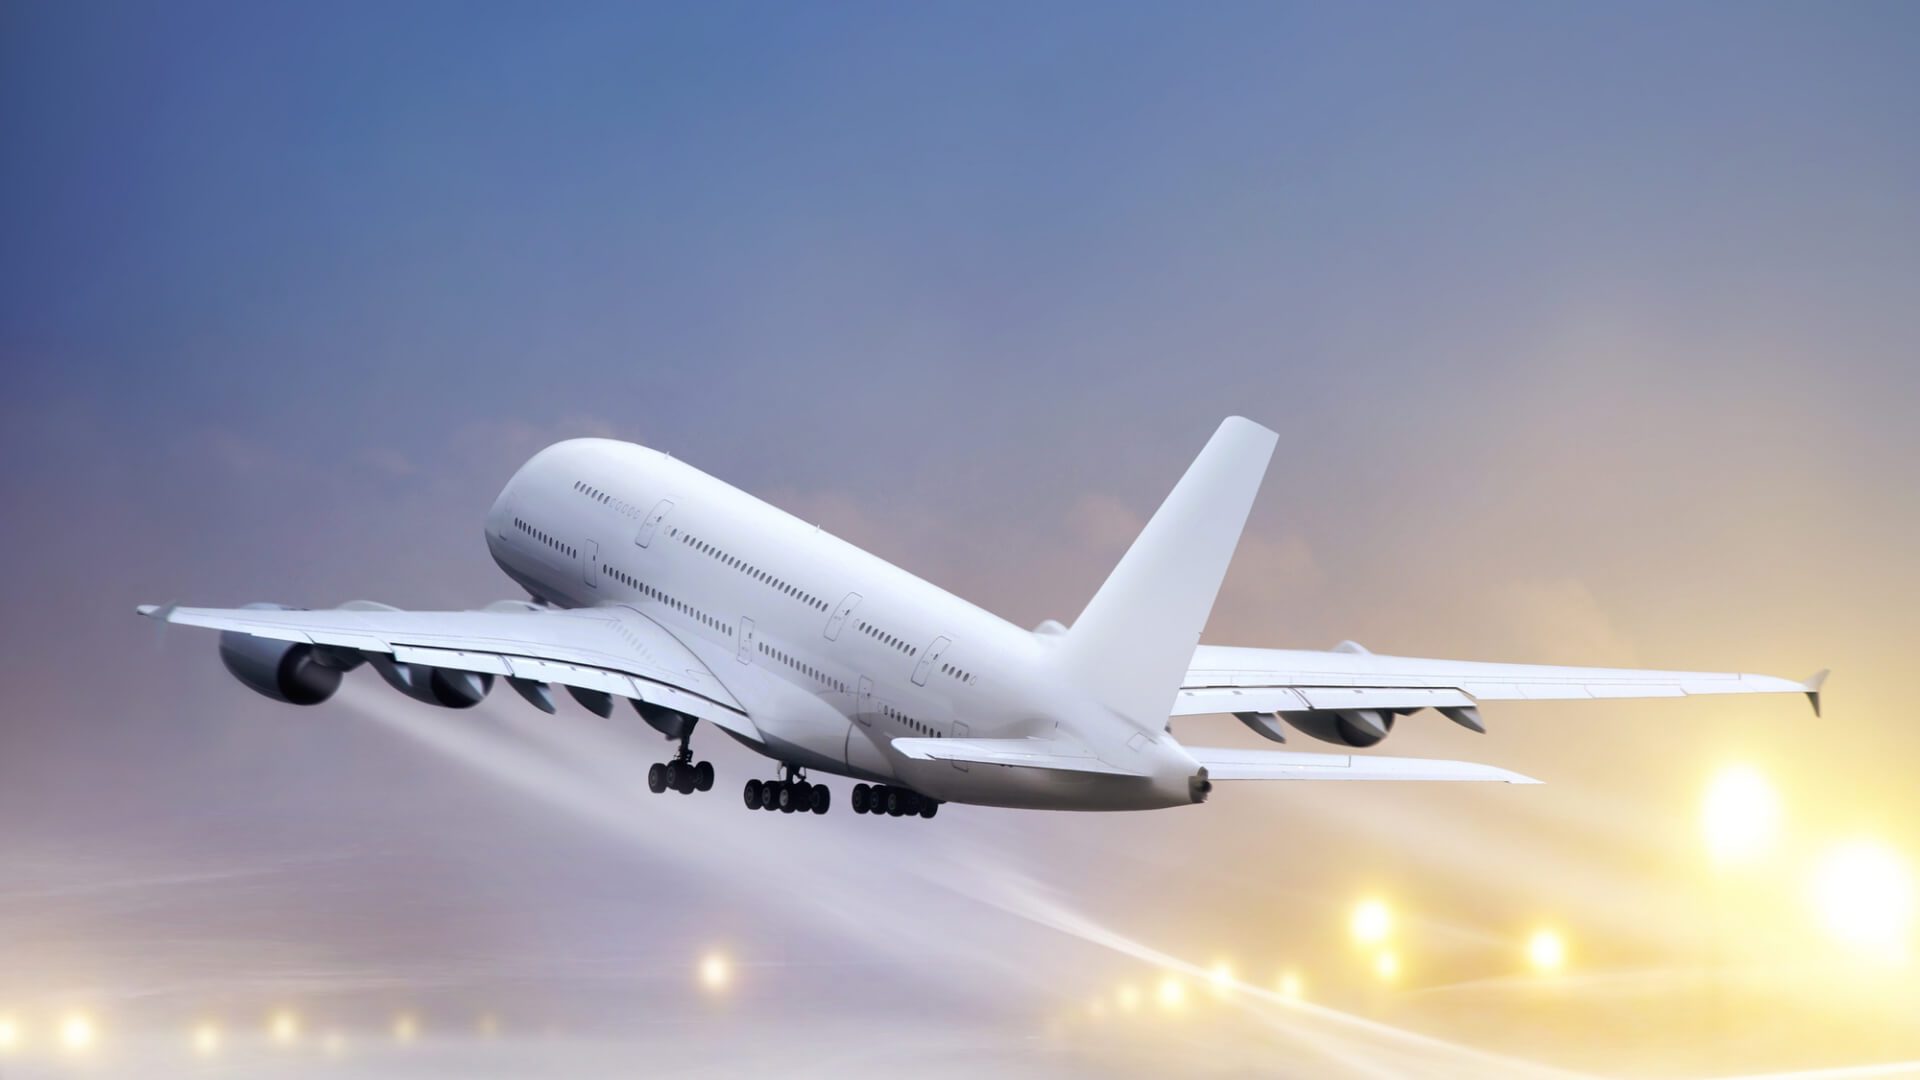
{"x":892,"y":801}
{"x":680,"y":774}
{"x":791,"y":795}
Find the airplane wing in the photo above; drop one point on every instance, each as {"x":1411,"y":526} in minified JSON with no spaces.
{"x":1224,"y":763}
{"x":1025,"y":753}
{"x":613,"y":651}
{"x":1223,"y":679}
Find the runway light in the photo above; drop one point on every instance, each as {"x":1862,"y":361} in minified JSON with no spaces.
{"x":1740,"y":815}
{"x":1221,"y":978}
{"x":206,"y":1040}
{"x":406,"y":1028}
{"x":283,"y":1027}
{"x":1546,"y":952}
{"x":1863,"y":893}
{"x":1129,"y":998}
{"x":1372,"y":922}
{"x":1291,"y":987}
{"x":1172,"y":993}
{"x":715,"y":972}
{"x":1386,"y":966}
{"x":77,"y":1032}
{"x":9,"y":1033}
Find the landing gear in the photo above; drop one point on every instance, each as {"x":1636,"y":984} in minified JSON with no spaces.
{"x":892,"y":801}
{"x":681,"y":774}
{"x":793,"y":795}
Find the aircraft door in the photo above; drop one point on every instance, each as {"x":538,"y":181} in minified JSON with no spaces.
{"x":929,"y":656}
{"x":863,"y":709}
{"x":654,"y":517}
{"x":590,"y":565}
{"x":840,"y":614}
{"x":746,"y":641}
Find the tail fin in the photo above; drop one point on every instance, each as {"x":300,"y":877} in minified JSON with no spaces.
{"x":1132,"y":645}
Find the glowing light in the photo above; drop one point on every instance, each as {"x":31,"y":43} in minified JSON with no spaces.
{"x":77,"y":1032}
{"x":1387,"y":966}
{"x":715,"y":972}
{"x":1546,"y":952}
{"x":335,"y":1044}
{"x":1172,"y":993}
{"x":1863,"y":893}
{"x":283,"y":1027}
{"x":9,"y":1033}
{"x":206,"y":1040}
{"x":1129,"y":998}
{"x":1372,"y":922}
{"x":1291,"y":986}
{"x":406,"y":1028}
{"x":1740,"y":815}
{"x":1221,"y":978}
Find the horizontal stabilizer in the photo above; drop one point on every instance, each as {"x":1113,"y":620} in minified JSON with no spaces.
{"x":1057,"y":754}
{"x":1227,"y":763}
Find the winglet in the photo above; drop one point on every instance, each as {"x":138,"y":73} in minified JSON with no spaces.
{"x":1812,"y":686}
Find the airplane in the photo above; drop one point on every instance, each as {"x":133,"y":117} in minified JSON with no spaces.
{"x":651,"y":581}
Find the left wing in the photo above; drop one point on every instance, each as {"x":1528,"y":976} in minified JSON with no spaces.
{"x":614,"y":651}
{"x":1223,"y":679}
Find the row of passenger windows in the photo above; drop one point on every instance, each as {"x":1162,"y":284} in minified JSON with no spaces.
{"x":911,"y":722}
{"x":680,"y":606}
{"x":605,"y":499}
{"x":962,"y":674}
{"x":754,"y":572}
{"x":544,"y":538}
{"x":885,"y":638}
{"x":808,"y":670}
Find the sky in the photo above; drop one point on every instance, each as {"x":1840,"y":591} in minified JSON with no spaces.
{"x":1591,"y":332}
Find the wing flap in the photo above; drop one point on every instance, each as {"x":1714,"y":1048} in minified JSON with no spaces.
{"x":1228,"y":763}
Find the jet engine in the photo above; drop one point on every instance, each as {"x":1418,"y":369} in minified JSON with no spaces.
{"x":290,"y":671}
{"x":434,"y":685}
{"x":1344,"y":727}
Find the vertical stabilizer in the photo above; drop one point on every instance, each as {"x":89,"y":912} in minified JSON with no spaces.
{"x":1131,"y":647}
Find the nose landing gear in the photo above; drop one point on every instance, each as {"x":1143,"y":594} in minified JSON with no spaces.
{"x":790,"y":795}
{"x":681,"y":774}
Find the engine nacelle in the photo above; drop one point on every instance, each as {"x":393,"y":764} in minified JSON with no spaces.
{"x":289,"y":671}
{"x":433,"y":685}
{"x":1343,"y":727}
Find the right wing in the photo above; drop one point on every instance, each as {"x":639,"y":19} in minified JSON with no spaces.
{"x":612,"y":650}
{"x":1225,"y":763}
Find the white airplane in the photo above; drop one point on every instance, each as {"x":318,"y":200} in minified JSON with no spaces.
{"x":654,"y":582}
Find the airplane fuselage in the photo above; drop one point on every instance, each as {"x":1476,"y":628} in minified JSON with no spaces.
{"x":833,"y":651}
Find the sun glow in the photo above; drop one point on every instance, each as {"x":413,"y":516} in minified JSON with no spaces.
{"x":1546,"y":951}
{"x":1172,"y":993}
{"x":206,"y":1040}
{"x":1387,"y":967}
{"x":77,"y":1032}
{"x":9,"y":1033}
{"x":715,"y":972}
{"x":1739,"y":815}
{"x":1291,"y":987}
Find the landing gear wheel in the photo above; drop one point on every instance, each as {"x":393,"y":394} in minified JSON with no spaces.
{"x":703,"y":776}
{"x":674,"y":769}
{"x":657,"y":777}
{"x":896,"y":802}
{"x":802,"y":795}
{"x":752,"y":793}
{"x":821,"y":799}
{"x":862,"y":795}
{"x":928,"y":808}
{"x":770,"y":795}
{"x":787,"y":798}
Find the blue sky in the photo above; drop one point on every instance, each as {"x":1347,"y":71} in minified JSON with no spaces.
{"x":1590,"y":333}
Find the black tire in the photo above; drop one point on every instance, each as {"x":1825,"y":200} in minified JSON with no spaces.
{"x":822,"y":799}
{"x":674,"y":769}
{"x":860,"y":797}
{"x":909,"y":803}
{"x":896,"y":802}
{"x":928,"y":807}
{"x":802,"y":795}
{"x":686,"y":780}
{"x":752,"y":794}
{"x":657,"y":777}
{"x":787,"y":798}
{"x":703,"y":776}
{"x":770,"y":795}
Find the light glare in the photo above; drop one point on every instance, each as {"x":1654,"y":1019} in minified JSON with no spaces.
{"x":77,"y":1032}
{"x":1387,"y":966}
{"x":284,"y":1027}
{"x":1863,"y":893}
{"x":206,"y":1040}
{"x":1372,"y":922}
{"x":1291,"y":987}
{"x":1546,"y":951}
{"x":715,"y":972}
{"x":9,"y":1033}
{"x":1173,"y":993}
